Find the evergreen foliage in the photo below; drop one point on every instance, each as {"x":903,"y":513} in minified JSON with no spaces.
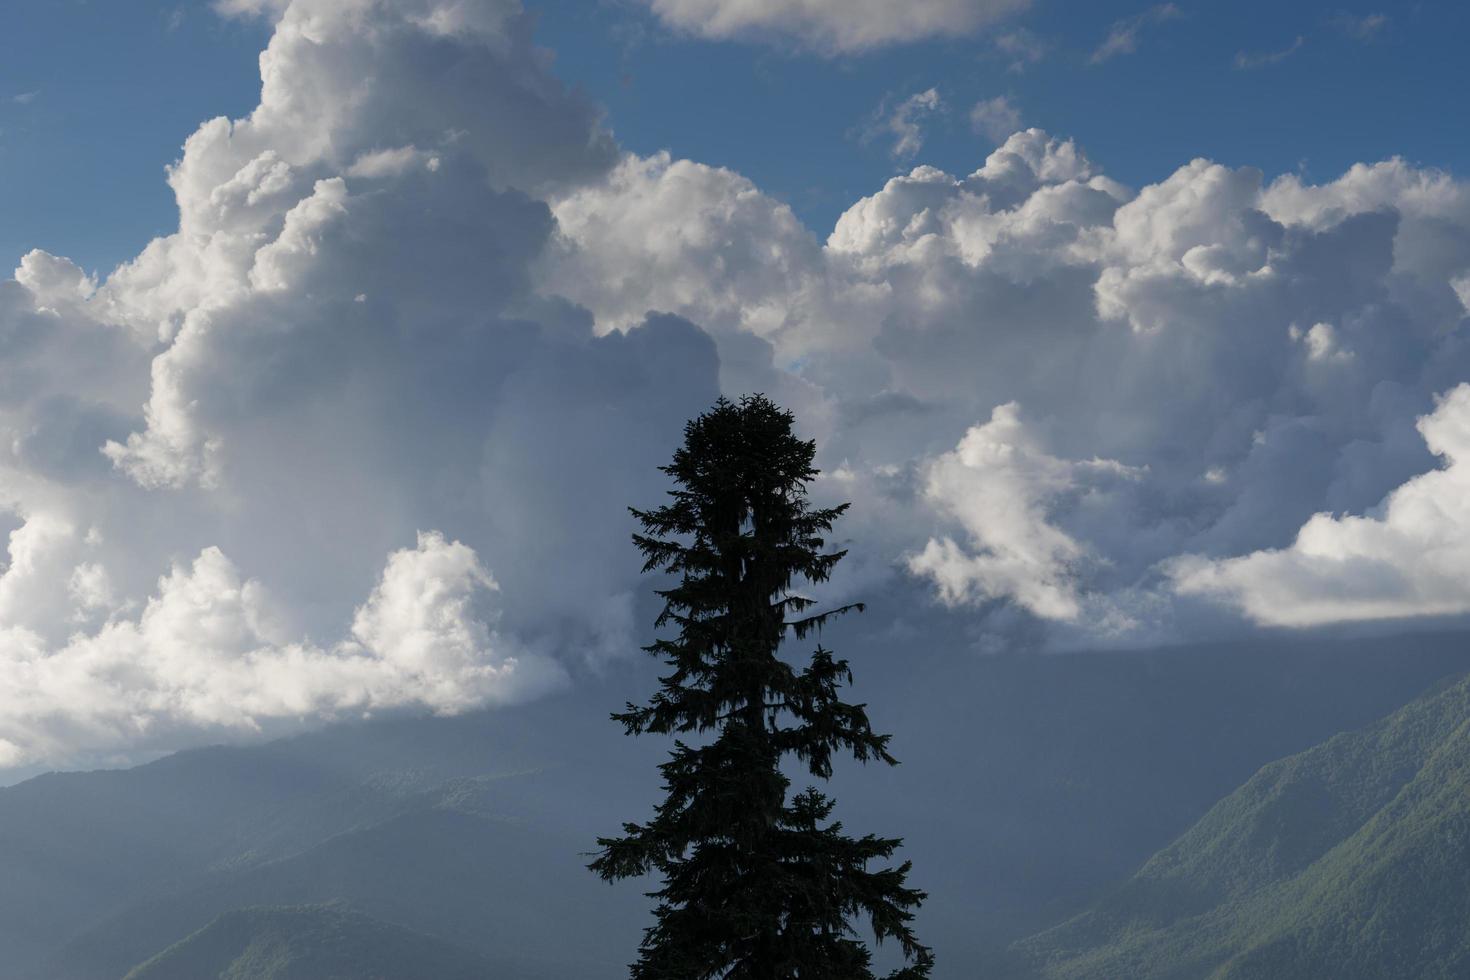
{"x":755,"y":886}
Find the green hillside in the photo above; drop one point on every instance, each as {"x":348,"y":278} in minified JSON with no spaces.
{"x":1349,"y":861}
{"x":310,"y":943}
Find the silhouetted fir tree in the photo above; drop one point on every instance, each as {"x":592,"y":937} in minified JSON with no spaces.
{"x":755,"y":887}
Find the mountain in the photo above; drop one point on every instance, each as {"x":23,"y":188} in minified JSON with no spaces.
{"x":1029,"y":785}
{"x":312,"y":943}
{"x":479,"y":861}
{"x":446,"y":866}
{"x":1348,"y":861}
{"x":1054,"y":777}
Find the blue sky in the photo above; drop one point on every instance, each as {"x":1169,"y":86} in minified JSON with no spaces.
{"x":94,"y":98}
{"x":108,"y":90}
{"x":788,"y":120}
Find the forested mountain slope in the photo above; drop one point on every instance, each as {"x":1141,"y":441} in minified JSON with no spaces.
{"x":1349,"y":861}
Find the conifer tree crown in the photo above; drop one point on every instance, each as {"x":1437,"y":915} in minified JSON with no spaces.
{"x":755,"y":886}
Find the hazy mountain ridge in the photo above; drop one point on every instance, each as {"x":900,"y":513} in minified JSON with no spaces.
{"x":442,"y":868}
{"x":1349,"y":861}
{"x":77,"y":843}
{"x":313,"y":943}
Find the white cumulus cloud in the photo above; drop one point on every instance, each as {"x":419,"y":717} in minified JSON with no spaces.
{"x":1247,"y":352}
{"x":832,"y":26}
{"x":999,"y":485}
{"x":1407,"y":557}
{"x":207,"y":655}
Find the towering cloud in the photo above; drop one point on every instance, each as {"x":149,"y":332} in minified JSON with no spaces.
{"x":338,"y":354}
